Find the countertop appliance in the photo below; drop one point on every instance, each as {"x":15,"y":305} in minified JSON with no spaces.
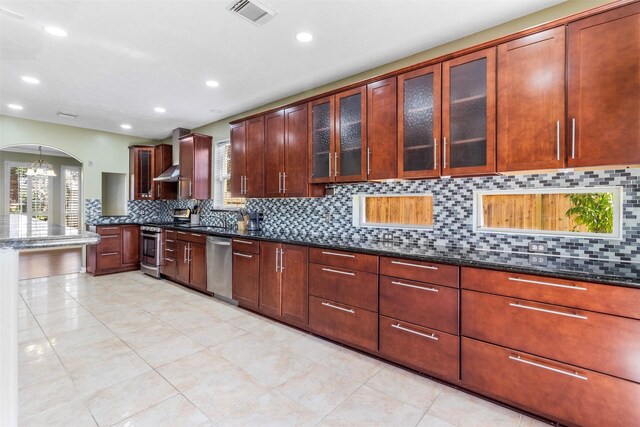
{"x":150,"y":250}
{"x":219,"y":268}
{"x":255,"y":220}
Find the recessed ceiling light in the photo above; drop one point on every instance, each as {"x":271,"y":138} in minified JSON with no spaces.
{"x":304,"y":37}
{"x":125,"y":126}
{"x":212,"y":83}
{"x":32,"y":80}
{"x":15,"y":106}
{"x":56,"y":31}
{"x":159,"y":110}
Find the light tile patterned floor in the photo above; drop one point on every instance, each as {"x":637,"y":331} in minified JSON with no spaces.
{"x":129,"y":350}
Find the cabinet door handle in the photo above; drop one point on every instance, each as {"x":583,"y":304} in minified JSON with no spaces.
{"x":279,"y":182}
{"x":573,"y":138}
{"x":329,"y":165}
{"x":435,"y":153}
{"x":408,"y":264}
{"x":284,"y":182}
{"x":411,"y":331}
{"x":190,"y":192}
{"x":335,"y":163}
{"x":158,"y":193}
{"x":346,"y":273}
{"x":348,"y":310}
{"x":549,"y":368}
{"x":416,"y":287}
{"x":277,"y":259}
{"x":556,"y":285}
{"x":243,"y":255}
{"x":543,"y":310}
{"x":444,"y":153}
{"x":189,"y":254}
{"x":281,"y":260}
{"x":558,"y":140}
{"x":336,"y":254}
{"x":184,"y":255}
{"x":368,"y":161}
{"x":246,"y":242}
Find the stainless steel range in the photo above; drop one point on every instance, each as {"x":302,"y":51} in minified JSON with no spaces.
{"x":150,"y":250}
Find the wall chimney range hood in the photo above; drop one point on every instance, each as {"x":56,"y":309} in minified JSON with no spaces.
{"x":173,"y":173}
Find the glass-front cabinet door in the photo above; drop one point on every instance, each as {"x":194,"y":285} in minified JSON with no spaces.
{"x":351,"y":135}
{"x":469,"y":114}
{"x":142,"y":162}
{"x":321,"y":135}
{"x":419,"y":108}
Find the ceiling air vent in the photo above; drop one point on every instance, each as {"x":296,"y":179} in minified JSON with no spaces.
{"x":253,"y":11}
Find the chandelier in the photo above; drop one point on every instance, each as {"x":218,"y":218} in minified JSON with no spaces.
{"x":40,"y":167}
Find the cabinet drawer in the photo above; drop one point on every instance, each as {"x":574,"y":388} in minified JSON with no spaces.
{"x":171,"y":234}
{"x":195,"y":238}
{"x":344,"y":323}
{"x":429,"y":272}
{"x":346,"y":286}
{"x":350,"y":260}
{"x":562,"y":392}
{"x":420,"y":303}
{"x":169,"y":267}
{"x":109,"y":243}
{"x":595,"y":341}
{"x":105,"y":230}
{"x":588,"y":296}
{"x":423,"y":349}
{"x":109,"y":261}
{"x":245,"y":245}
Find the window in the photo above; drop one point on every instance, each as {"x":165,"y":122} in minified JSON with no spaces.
{"x":70,"y":195}
{"x":575,"y":212}
{"x":26,"y":194}
{"x":222,"y":180}
{"x":393,"y":211}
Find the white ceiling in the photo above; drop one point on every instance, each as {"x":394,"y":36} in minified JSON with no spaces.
{"x":123,"y":58}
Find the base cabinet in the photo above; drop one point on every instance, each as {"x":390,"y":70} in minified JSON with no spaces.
{"x":245,"y":277}
{"x":567,"y":393}
{"x":190,"y":260}
{"x":117,"y":251}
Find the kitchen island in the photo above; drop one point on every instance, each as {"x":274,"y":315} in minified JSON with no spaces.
{"x":19,"y":232}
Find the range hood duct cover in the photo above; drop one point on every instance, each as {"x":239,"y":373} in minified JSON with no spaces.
{"x":173,"y":173}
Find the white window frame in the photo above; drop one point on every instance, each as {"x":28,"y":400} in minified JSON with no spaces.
{"x":8,"y":164}
{"x":63,"y":170}
{"x":219,"y":178}
{"x":359,"y":212}
{"x":618,"y":203}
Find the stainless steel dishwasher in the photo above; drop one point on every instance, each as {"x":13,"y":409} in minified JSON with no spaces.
{"x":219,"y":268}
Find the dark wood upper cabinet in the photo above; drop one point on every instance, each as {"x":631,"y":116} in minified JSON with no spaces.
{"x":604,"y":88}
{"x":238,"y":158}
{"x":381,"y":129}
{"x":469,"y":114}
{"x":163,"y":161}
{"x":195,"y":167}
{"x":285,"y":153}
{"x":321,"y":140}
{"x":419,"y":121}
{"x":141,"y":172}
{"x":531,"y":99}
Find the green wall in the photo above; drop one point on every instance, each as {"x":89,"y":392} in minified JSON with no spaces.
{"x":107,"y":151}
{"x":219,"y":130}
{"x":56,"y":186}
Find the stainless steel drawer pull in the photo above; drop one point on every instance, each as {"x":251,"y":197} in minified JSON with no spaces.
{"x":115,"y":236}
{"x":422,"y":288}
{"x":411,"y":331}
{"x":246,"y":242}
{"x":526,"y":307}
{"x":557,"y":285}
{"x":110,"y":253}
{"x":243,"y":255}
{"x":549,"y":368}
{"x":169,"y":240}
{"x":408,"y":264}
{"x":346,"y":273}
{"x":196,"y":235}
{"x":108,"y":228}
{"x":336,"y":254}
{"x":169,"y":250}
{"x":181,"y":232}
{"x":170,"y":259}
{"x":348,"y":310}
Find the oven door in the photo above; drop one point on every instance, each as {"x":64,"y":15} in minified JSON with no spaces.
{"x":150,"y":248}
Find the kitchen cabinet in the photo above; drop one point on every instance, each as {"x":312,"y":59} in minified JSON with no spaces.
{"x":191,"y":260}
{"x":146,"y":162}
{"x":469,"y":114}
{"x":285,"y":153}
{"x":419,"y":123}
{"x":338,"y":137}
{"x":604,"y":88}
{"x":247,"y":158}
{"x":531,"y":102}
{"x":117,"y":251}
{"x":246,"y":272}
{"x":381,"y":139}
{"x":194,"y":181}
{"x":283,"y":282}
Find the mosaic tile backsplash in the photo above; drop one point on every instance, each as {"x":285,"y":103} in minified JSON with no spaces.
{"x":331,"y":216}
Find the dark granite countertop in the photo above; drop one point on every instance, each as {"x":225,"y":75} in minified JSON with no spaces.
{"x":590,"y":270}
{"x":23,"y":232}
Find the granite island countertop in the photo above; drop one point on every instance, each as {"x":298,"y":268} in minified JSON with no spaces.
{"x":22,"y":232}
